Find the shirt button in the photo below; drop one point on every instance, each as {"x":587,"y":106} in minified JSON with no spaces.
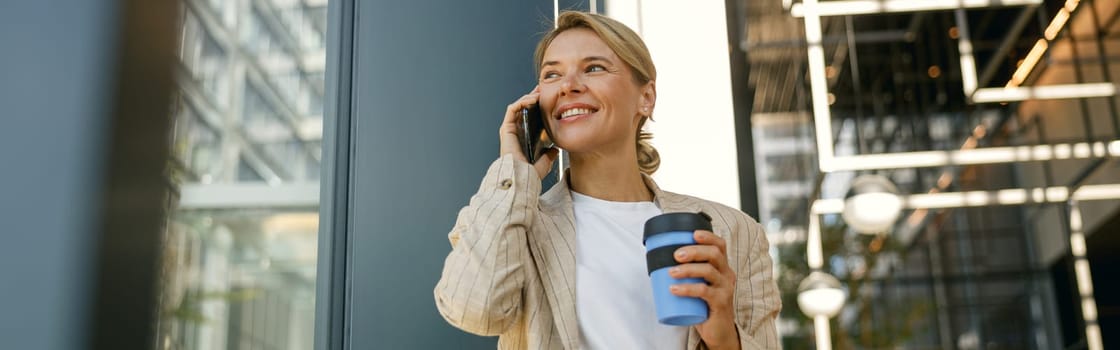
{"x":506,"y":184}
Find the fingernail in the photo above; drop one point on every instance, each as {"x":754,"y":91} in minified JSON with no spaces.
{"x":674,"y":288}
{"x":681,"y":254}
{"x":675,"y":271}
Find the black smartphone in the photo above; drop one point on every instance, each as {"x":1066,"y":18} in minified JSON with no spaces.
{"x":536,"y":137}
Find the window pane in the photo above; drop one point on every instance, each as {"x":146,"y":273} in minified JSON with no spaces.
{"x":241,"y":248}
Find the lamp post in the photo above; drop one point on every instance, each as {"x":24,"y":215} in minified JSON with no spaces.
{"x":820,"y":297}
{"x":872,"y":204}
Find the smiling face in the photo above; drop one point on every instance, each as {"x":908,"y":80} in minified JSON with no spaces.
{"x":589,"y":95}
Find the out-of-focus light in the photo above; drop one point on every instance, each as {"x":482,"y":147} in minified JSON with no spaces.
{"x":1028,"y":64}
{"x":1046,"y":92}
{"x":1056,"y":24}
{"x":820,"y":294}
{"x":1097,"y":192}
{"x":872,"y":204}
{"x":979,"y":131}
{"x":863,"y":7}
{"x":984,"y":155}
{"x":954,"y":33}
{"x":917,"y":217}
{"x":969,"y":143}
{"x":827,"y":206}
{"x":934,"y":71}
{"x":964,"y":47}
{"x":1011,"y":196}
{"x":945,"y":180}
{"x":1071,"y":5}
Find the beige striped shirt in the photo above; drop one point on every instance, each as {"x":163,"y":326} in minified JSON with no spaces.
{"x":512,"y":268}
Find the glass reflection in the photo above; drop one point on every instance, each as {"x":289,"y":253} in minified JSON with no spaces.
{"x":248,"y":116}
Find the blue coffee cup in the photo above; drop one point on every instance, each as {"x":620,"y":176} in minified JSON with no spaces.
{"x":664,"y":234}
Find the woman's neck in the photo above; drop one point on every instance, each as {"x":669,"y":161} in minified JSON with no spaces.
{"x":608,"y":177}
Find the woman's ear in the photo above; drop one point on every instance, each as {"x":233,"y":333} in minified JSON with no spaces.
{"x":648,"y":98}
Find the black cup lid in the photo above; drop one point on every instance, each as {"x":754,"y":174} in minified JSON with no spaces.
{"x":677,"y":222}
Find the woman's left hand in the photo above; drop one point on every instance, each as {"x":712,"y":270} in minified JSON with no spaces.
{"x":708,"y":260}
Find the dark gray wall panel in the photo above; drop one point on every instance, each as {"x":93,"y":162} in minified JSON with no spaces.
{"x":431,"y":83}
{"x":54,"y":69}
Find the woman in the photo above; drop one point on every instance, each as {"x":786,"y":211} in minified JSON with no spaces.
{"x":566,"y":269}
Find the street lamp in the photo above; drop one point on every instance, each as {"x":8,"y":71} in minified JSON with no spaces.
{"x":872,"y":204}
{"x":821,"y":297}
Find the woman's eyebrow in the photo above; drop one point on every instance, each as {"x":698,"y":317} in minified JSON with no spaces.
{"x":584,"y":60}
{"x":596,"y":58}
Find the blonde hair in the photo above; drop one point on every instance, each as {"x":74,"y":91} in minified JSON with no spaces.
{"x":631,"y":49}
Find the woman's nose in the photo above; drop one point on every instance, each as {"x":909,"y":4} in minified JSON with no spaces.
{"x":572,"y":83}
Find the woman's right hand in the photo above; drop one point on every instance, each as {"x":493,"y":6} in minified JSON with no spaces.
{"x":511,"y":128}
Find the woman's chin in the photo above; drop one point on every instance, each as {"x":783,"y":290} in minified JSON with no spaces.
{"x":573,"y":143}
{"x":578,"y":148}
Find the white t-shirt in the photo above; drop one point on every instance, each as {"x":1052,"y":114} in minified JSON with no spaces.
{"x":614,"y":298}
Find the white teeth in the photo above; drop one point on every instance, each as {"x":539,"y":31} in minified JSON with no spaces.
{"x":574,"y":111}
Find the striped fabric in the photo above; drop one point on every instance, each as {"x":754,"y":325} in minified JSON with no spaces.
{"x":511,"y":270}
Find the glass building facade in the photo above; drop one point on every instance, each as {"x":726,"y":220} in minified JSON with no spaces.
{"x":241,"y":249}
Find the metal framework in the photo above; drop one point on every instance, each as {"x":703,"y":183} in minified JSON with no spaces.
{"x":812,"y":11}
{"x":1056,"y":194}
{"x":830,"y":162}
{"x":867,"y":7}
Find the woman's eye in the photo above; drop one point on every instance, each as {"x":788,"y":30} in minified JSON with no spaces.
{"x":596,"y":68}
{"x":549,"y":75}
